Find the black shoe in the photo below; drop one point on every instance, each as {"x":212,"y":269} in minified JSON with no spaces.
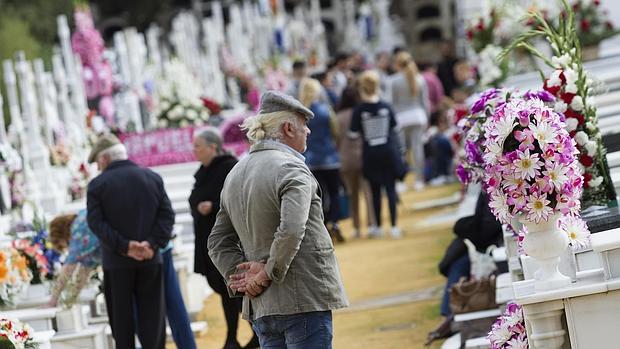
{"x":336,"y":234}
{"x":232,"y":345}
{"x":444,"y":330}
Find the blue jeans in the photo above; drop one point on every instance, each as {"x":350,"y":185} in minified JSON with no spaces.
{"x":175,"y":308}
{"x":298,"y":331}
{"x":458,"y":268}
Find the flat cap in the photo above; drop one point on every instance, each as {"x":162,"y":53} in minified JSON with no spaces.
{"x":104,"y":142}
{"x":274,"y":101}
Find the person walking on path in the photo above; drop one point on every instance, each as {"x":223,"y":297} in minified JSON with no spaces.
{"x":351,"y":162}
{"x":131,"y":215}
{"x":321,"y":154}
{"x":204,"y":202}
{"x":409,"y":97}
{"x":269,"y":240}
{"x":382,"y":162}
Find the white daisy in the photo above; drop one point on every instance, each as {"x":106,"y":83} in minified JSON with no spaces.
{"x":527,"y":165}
{"x":538,"y":207}
{"x":492,"y":153}
{"x":544,"y":133}
{"x":576,"y":230}
{"x":556,"y":174}
{"x":502,"y":128}
{"x":517,"y":343}
{"x":498,"y":205}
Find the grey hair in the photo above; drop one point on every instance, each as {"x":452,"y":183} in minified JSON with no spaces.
{"x":268,"y":125}
{"x":115,"y":152}
{"x":212,"y":135}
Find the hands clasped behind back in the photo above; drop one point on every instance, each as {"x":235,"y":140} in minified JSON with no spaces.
{"x":140,"y":250}
{"x":251,"y":279}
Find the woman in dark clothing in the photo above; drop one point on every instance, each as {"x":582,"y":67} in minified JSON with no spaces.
{"x":204,"y":202}
{"x":483,"y":230}
{"x":382,"y":164}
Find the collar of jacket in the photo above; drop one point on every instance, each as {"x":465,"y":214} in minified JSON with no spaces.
{"x":275,"y":145}
{"x":119,"y":163}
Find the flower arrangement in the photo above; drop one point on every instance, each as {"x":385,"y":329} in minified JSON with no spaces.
{"x":16,"y":334}
{"x":471,"y":166}
{"x":569,"y":83}
{"x":180,"y":103}
{"x":35,"y":257}
{"x":480,"y":31}
{"x":593,"y":22}
{"x":508,"y":331}
{"x":530,"y":162}
{"x":79,"y":182}
{"x":14,"y":275}
{"x":178,"y":115}
{"x":18,"y":189}
{"x":60,"y":155}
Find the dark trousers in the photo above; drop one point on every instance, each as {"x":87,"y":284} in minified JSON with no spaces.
{"x":329,"y":180}
{"x":145,"y":285}
{"x":175,"y":307}
{"x":390,"y":190}
{"x":459,"y":268}
{"x":297,"y":331}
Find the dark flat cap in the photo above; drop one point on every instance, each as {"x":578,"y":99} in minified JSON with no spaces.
{"x":104,"y":142}
{"x":274,"y":101}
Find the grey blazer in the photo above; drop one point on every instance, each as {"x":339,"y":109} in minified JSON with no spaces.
{"x":271,"y":212}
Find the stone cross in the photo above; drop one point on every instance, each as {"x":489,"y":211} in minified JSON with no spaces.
{"x":47,"y":107}
{"x":154,"y":53}
{"x":212,"y":65}
{"x":28,"y":99}
{"x":17,"y":124}
{"x":3,"y":136}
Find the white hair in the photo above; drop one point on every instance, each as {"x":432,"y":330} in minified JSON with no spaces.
{"x":115,"y":152}
{"x":269,"y":125}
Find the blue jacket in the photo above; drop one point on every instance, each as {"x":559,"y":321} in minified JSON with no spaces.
{"x":126,"y":202}
{"x":321,"y":153}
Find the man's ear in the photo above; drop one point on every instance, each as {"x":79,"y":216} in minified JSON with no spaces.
{"x":287,"y":129}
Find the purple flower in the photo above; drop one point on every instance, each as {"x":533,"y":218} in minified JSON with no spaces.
{"x":482,"y":101}
{"x":473,"y":152}
{"x":542,"y":95}
{"x":463,"y":174}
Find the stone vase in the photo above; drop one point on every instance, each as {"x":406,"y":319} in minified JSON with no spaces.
{"x":545,"y":243}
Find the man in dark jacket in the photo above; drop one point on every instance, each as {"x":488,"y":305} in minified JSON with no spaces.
{"x":129,"y":211}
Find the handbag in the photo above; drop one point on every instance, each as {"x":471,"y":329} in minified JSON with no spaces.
{"x":469,"y":295}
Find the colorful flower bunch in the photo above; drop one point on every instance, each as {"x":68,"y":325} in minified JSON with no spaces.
{"x":530,"y":162}
{"x":16,"y":334}
{"x":569,"y":84}
{"x":471,"y":166}
{"x":34,"y":254}
{"x":18,"y":189}
{"x":480,"y":31}
{"x":79,"y":182}
{"x":15,"y":275}
{"x":60,"y":154}
{"x":508,"y":331}
{"x":593,"y":24}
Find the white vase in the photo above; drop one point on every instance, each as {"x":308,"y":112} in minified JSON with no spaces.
{"x":69,"y":320}
{"x":546,"y":243}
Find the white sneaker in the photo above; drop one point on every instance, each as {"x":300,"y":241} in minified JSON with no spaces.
{"x":437,"y":181}
{"x":375,"y":232}
{"x":418,"y":186}
{"x":401,"y":187}
{"x":396,"y":233}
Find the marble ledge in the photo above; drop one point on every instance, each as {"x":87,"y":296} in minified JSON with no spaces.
{"x":590,"y":282}
{"x":606,"y":240}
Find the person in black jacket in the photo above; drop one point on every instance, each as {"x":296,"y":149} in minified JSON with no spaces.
{"x":204,"y":203}
{"x":131,"y":215}
{"x":483,"y":230}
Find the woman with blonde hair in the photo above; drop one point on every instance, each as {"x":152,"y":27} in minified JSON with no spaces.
{"x":321,"y":154}
{"x":409,"y":97}
{"x":374,"y":120}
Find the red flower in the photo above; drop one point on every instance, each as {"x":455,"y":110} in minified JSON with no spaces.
{"x":567,"y":97}
{"x":609,"y":25}
{"x":480,"y":25}
{"x":586,"y":160}
{"x":572,"y":133}
{"x":597,"y":2}
{"x":576,"y":6}
{"x":586,"y":179}
{"x":212,"y":105}
{"x":585,"y":25}
{"x":470,"y":35}
{"x":569,"y":113}
{"x":553,"y":90}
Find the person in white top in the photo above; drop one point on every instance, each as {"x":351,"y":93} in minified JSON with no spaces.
{"x":408,"y":94}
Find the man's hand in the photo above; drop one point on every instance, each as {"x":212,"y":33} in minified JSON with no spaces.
{"x":205,"y":207}
{"x":252,"y":279}
{"x":140,"y":250}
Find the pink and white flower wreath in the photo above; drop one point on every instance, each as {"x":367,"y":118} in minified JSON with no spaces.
{"x":531,"y":163}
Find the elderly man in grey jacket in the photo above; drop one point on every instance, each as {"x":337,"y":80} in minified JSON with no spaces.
{"x":269,"y":240}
